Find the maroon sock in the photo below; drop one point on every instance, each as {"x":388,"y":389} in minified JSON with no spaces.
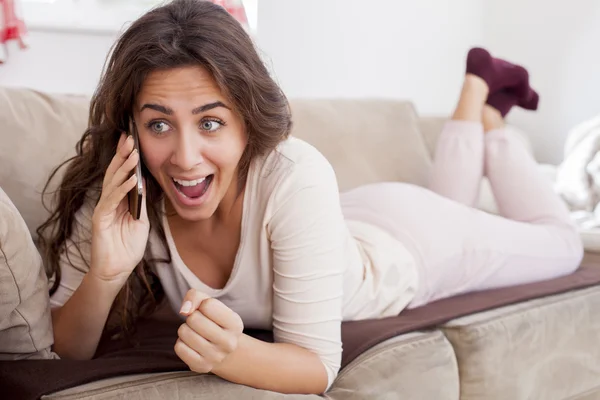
{"x":503,"y":101}
{"x":497,"y":73}
{"x":530,"y":100}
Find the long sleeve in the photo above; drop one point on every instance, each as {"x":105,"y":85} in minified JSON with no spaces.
{"x":75,"y":259}
{"x":308,"y":236}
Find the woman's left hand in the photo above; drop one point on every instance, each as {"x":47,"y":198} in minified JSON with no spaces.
{"x":210,"y":333}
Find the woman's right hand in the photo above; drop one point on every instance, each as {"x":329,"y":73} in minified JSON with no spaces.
{"x":118,"y":240}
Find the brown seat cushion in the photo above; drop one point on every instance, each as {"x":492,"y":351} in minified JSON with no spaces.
{"x":154,"y":352}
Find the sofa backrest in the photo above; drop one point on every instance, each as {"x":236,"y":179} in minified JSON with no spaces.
{"x":37,"y":133}
{"x":365,"y":140}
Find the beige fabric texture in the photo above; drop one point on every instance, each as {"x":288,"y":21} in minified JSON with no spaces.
{"x":25,"y":323}
{"x":591,"y":395}
{"x":38,"y":133}
{"x":394,"y":149}
{"x":540,"y":349}
{"x":411,"y":366}
{"x":407,"y":364}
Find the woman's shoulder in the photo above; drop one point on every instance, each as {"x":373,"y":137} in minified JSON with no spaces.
{"x":297,"y":161}
{"x":295,"y":166}
{"x":298,"y":150}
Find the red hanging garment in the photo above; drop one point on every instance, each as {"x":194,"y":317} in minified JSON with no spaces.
{"x":12,"y":27}
{"x":235,"y":8}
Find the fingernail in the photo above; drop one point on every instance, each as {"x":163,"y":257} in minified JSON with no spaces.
{"x":186,"y":308}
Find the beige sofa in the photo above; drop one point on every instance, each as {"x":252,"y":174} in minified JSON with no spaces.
{"x":546,"y":348}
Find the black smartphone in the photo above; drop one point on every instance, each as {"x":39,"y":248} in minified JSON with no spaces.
{"x":135,"y":194}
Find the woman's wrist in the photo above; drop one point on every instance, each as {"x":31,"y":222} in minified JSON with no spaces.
{"x":105,"y":287}
{"x":279,"y":367}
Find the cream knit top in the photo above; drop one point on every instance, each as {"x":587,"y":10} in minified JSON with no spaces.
{"x":300,"y":269}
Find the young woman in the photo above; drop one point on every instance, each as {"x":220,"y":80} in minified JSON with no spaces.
{"x":243,"y":226}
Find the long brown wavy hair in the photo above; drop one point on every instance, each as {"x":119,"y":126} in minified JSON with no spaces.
{"x":181,"y":33}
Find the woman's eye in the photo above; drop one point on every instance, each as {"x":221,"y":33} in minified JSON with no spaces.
{"x":159,"y":127}
{"x":210,"y":125}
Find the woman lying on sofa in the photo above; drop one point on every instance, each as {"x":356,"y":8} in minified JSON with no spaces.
{"x":243,"y":225}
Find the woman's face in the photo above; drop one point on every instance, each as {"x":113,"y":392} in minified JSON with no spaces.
{"x":191,"y":139}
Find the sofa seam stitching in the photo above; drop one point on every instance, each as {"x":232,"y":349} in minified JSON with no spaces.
{"x":12,"y":274}
{"x":29,"y":330}
{"x":407,"y":346}
{"x":132,"y":385}
{"x":394,"y":349}
{"x":485,"y":326}
{"x":20,"y":301}
{"x":512,"y":314}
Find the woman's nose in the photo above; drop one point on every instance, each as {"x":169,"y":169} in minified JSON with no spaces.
{"x":187,"y":153}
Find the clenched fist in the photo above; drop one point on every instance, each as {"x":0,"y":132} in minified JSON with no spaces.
{"x":209,"y":334}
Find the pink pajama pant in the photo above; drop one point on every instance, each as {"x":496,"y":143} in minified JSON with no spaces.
{"x":459,"y":248}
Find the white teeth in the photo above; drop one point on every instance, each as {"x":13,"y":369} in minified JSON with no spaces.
{"x":189,"y":183}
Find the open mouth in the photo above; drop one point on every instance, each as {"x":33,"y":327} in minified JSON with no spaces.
{"x":193,"y":189}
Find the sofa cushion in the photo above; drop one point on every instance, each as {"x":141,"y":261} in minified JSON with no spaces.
{"x":170,"y":385}
{"x":379,"y":373}
{"x":401,"y":367}
{"x":366,"y":141}
{"x":25,"y":324}
{"x":540,"y":349}
{"x":38,"y":133}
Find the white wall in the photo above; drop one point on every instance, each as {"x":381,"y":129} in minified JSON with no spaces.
{"x":386,"y":48}
{"x":331,"y":48}
{"x":416,"y":49}
{"x":379,"y":48}
{"x":57,"y":62}
{"x":559,"y":42}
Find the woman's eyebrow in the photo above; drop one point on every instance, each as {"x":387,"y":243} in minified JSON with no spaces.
{"x":209,"y":106}
{"x":157,"y":107}
{"x":197,"y":110}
